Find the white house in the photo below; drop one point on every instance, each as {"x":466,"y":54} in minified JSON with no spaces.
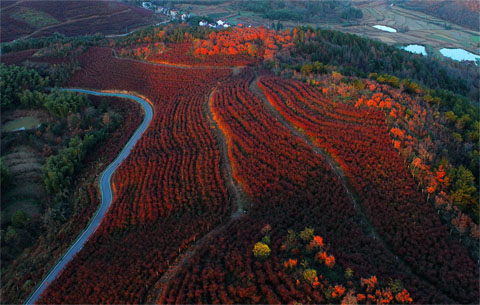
{"x":185,"y":16}
{"x":212,"y":25}
{"x":202,"y":23}
{"x":220,"y":22}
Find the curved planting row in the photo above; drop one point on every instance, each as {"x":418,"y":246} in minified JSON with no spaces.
{"x":168,"y":192}
{"x":388,"y":193}
{"x":290,"y":187}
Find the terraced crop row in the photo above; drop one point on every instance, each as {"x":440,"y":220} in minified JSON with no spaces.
{"x":169,"y":191}
{"x":397,"y":210}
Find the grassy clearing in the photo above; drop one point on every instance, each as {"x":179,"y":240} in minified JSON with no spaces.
{"x":218,"y":15}
{"x":33,"y":17}
{"x":240,"y":18}
{"x":25,"y":122}
{"x":475,"y":38}
{"x":442,"y":38}
{"x":27,"y":190}
{"x":375,"y":14}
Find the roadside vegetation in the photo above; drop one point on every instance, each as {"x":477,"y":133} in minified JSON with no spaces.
{"x":41,"y":168}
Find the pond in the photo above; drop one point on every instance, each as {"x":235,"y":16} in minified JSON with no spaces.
{"x":23,"y":123}
{"x":415,"y":48}
{"x":460,"y":54}
{"x":385,"y":28}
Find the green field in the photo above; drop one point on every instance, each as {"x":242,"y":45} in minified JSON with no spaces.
{"x":218,"y":15}
{"x":475,"y":39}
{"x":25,"y":122}
{"x":442,"y":38}
{"x":33,"y":17}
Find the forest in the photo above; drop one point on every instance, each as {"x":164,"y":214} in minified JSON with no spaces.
{"x":280,"y":166}
{"x":309,"y":11}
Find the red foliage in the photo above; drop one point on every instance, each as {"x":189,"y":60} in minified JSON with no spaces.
{"x":181,"y":53}
{"x":168,"y":192}
{"x":358,"y":139}
{"x":289,"y":186}
{"x":256,"y":42}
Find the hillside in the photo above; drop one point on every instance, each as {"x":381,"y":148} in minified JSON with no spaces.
{"x":24,"y":19}
{"x":280,"y":166}
{"x":461,"y":12}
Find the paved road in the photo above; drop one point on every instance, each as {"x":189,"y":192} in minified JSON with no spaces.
{"x":105,"y":189}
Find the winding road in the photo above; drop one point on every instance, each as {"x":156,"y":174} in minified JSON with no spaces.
{"x":105,"y":190}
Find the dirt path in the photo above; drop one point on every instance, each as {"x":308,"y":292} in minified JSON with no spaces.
{"x":237,"y":196}
{"x":72,"y":21}
{"x":178,"y":66}
{"x":12,"y":5}
{"x":339,"y":172}
{"x":333,"y":165}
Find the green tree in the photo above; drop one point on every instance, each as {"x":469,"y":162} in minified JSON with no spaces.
{"x":5,"y":176}
{"x":464,"y":192}
{"x":19,"y":219}
{"x":261,"y":250}
{"x":11,"y":234}
{"x":306,"y":68}
{"x":307,"y":234}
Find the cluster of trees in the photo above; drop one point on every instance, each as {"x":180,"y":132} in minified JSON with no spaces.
{"x":359,"y":140}
{"x":173,"y":44}
{"x":31,"y":93}
{"x":5,"y":175}
{"x":356,"y":56}
{"x":309,"y":11}
{"x":56,"y":39}
{"x":171,"y":33}
{"x":168,"y":192}
{"x":352,"y":13}
{"x":60,"y":168}
{"x":442,"y":150}
{"x":352,"y":55}
{"x":454,"y":113}
{"x":425,"y":139}
{"x":171,"y":3}
{"x":11,"y":78}
{"x":318,"y":268}
{"x":238,"y":46}
{"x":440,"y":127}
{"x":255,"y":42}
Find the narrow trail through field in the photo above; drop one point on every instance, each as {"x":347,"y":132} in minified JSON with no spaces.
{"x":339,"y":172}
{"x":172,"y":65}
{"x":237,"y":197}
{"x":12,"y":5}
{"x":72,"y":21}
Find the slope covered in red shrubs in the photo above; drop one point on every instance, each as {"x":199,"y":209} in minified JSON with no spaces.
{"x":358,"y":139}
{"x":289,"y":187}
{"x":168,"y":192}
